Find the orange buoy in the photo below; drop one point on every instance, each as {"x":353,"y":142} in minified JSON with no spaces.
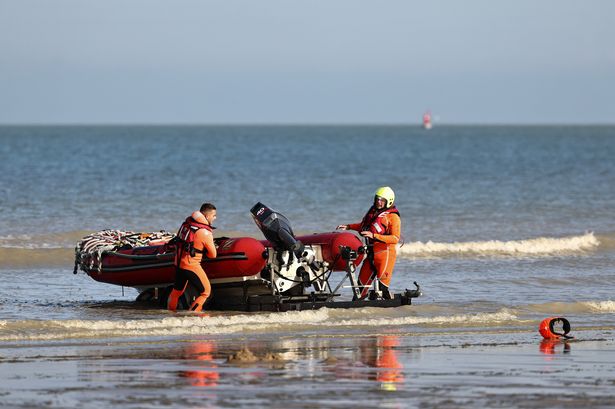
{"x":547,"y":328}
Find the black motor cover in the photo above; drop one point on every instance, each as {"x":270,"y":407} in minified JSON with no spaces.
{"x":276,"y":229}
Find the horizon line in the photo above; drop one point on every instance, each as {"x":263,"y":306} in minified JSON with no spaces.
{"x":303,"y":124}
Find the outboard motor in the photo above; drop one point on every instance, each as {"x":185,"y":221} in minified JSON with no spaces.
{"x":293,"y":266}
{"x":276,"y":229}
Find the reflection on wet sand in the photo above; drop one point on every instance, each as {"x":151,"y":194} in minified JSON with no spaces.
{"x":207,"y":375}
{"x":554,"y":346}
{"x":380,"y":353}
{"x":367,"y":371}
{"x":373,"y":359}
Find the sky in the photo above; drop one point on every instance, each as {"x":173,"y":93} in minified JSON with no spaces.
{"x":307,"y":62}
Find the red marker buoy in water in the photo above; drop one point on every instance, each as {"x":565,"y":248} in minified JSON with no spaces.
{"x":554,"y":328}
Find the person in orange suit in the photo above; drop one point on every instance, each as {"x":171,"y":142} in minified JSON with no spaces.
{"x":381,"y":226}
{"x":194,"y":240}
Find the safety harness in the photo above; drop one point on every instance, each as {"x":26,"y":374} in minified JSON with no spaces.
{"x":184,"y":241}
{"x":373,"y":219}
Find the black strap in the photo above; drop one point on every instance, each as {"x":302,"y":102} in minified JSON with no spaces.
{"x":194,"y":250}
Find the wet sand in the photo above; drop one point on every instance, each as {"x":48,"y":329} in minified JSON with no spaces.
{"x":396,"y":370}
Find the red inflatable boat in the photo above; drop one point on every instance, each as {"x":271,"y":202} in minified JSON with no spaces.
{"x":281,"y":273}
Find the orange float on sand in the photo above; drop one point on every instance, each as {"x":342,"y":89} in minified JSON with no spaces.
{"x":550,"y":328}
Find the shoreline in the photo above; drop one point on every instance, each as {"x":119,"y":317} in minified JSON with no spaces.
{"x":317,"y":371}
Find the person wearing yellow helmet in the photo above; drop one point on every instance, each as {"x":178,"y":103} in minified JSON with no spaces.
{"x":387,"y":194}
{"x":381,"y":226}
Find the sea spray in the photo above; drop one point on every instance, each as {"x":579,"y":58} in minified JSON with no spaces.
{"x":541,"y":246}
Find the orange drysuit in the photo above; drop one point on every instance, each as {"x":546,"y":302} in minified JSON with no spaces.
{"x":386,"y":228}
{"x":189,"y":268}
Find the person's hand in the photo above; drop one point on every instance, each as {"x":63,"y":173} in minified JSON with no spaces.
{"x":342,"y":227}
{"x":367,"y":234}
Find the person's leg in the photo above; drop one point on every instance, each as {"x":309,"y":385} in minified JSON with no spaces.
{"x":385,"y":272}
{"x":381,"y":268}
{"x":204,"y":287}
{"x":366,"y":277}
{"x":388,"y":263}
{"x":181,"y":281}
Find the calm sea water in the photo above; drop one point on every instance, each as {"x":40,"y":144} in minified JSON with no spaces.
{"x":503,"y":225}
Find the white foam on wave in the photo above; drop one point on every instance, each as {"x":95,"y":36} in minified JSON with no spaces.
{"x":601,"y":306}
{"x":172,"y":326}
{"x":503,"y":315}
{"x":541,"y":246}
{"x":225,"y":324}
{"x":578,"y":307}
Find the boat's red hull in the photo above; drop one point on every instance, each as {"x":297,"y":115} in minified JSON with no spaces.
{"x":237,"y":258}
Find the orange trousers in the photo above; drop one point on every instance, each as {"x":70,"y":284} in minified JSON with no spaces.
{"x":198,"y":279}
{"x":383,"y":263}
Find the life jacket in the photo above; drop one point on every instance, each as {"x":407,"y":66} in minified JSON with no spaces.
{"x":374,"y":218}
{"x":184,"y":241}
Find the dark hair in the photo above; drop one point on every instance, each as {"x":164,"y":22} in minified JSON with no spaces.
{"x":206,"y":207}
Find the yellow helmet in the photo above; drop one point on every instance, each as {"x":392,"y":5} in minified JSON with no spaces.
{"x":386,"y":193}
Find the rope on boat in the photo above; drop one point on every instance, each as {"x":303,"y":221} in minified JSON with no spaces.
{"x":89,"y":251}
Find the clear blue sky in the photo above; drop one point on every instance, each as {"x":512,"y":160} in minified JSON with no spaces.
{"x":333,"y":61}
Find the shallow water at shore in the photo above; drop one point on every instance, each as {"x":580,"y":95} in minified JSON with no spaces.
{"x":513,"y":369}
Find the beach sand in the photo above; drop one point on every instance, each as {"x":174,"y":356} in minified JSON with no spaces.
{"x":391,"y":371}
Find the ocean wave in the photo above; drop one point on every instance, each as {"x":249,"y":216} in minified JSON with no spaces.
{"x":68,"y":240}
{"x":579,"y":307}
{"x":34,"y":330}
{"x":42,"y":250}
{"x":607,"y":241}
{"x":58,"y":249}
{"x":503,"y":315}
{"x":46,"y":257}
{"x":541,"y":246}
{"x":60,"y":240}
{"x":601,"y":306}
{"x":180,"y":325}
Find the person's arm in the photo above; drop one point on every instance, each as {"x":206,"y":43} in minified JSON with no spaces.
{"x":394,"y":230}
{"x":210,"y":246}
{"x":206,"y":239}
{"x":352,"y":226}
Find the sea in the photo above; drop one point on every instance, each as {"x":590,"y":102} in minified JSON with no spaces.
{"x":503,"y":226}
